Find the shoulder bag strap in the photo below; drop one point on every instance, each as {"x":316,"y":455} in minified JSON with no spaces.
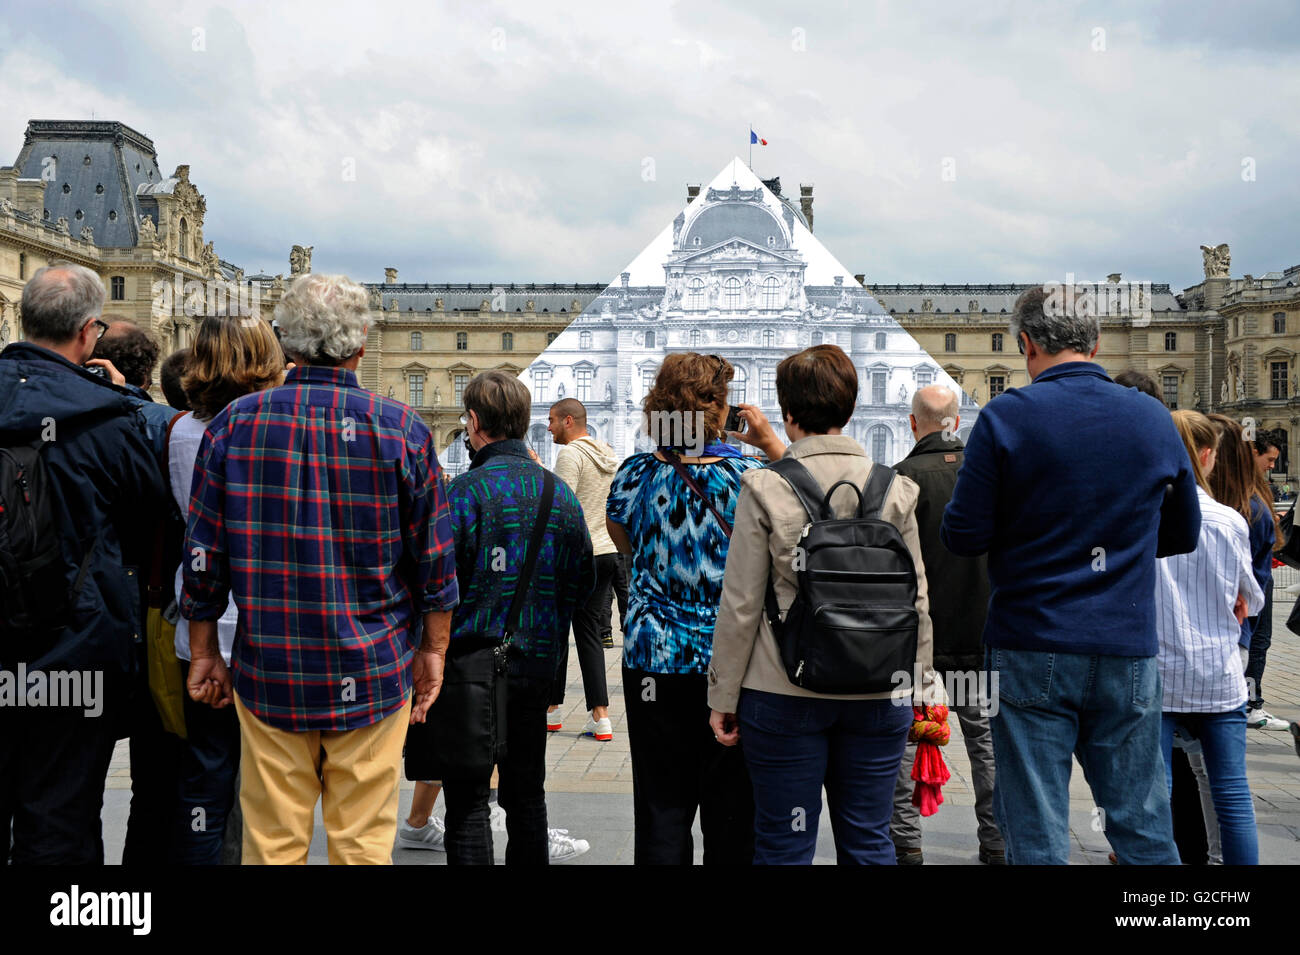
{"x":672,"y":458}
{"x":155,"y":589}
{"x":530,"y":556}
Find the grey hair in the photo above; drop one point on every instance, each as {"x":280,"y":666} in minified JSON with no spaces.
{"x":58,"y":300}
{"x":1056,"y":318}
{"x":323,"y":319}
{"x":933,"y":404}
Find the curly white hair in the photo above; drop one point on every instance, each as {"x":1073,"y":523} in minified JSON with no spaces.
{"x":323,"y":318}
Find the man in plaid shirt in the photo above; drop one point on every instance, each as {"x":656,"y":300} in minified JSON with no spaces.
{"x":320,"y":505}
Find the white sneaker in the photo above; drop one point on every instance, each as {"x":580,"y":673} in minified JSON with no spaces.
{"x":553,"y":722}
{"x":563,"y":847}
{"x":496,"y":817}
{"x":1261,"y":719}
{"x":602,"y":729}
{"x":429,"y":836}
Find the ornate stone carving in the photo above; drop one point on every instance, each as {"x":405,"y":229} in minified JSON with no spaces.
{"x":437,"y":303}
{"x":300,"y":260}
{"x":61,"y":225}
{"x":1223,"y":392}
{"x":87,"y":234}
{"x":677,"y":226}
{"x":148,"y":231}
{"x":7,"y":207}
{"x":211,"y":262}
{"x":437,"y":397}
{"x":927,"y":305}
{"x":1217,"y":261}
{"x":390,"y":275}
{"x":1241,"y":390}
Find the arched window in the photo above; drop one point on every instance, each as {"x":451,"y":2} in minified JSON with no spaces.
{"x":695,"y":336}
{"x":738,"y":388}
{"x":881,"y":340}
{"x":183,"y":242}
{"x":507,"y":341}
{"x":462,"y":341}
{"x":731,"y":295}
{"x":950,"y":342}
{"x":417,"y":341}
{"x":997,"y":341}
{"x":584,"y":340}
{"x":695,"y":293}
{"x":649,"y":339}
{"x":771,"y":293}
{"x":878,"y":441}
{"x":1171,"y":341}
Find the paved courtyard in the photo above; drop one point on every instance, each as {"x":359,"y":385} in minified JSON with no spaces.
{"x":589,"y":784}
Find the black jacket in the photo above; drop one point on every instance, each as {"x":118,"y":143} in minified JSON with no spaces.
{"x":959,"y":586}
{"x":106,"y":490}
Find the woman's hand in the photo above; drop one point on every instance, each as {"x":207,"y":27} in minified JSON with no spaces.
{"x":759,"y":432}
{"x":1239,"y":610}
{"x":726,"y":730}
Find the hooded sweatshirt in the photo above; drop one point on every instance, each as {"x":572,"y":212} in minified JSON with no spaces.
{"x":588,"y":466}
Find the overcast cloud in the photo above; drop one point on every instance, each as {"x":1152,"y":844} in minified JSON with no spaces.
{"x":511,"y":142}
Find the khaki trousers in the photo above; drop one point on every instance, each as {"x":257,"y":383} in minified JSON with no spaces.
{"x":355,"y":773}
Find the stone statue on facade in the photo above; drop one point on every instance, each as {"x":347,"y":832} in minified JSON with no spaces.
{"x":148,"y":231}
{"x":390,"y":391}
{"x":300,"y":260}
{"x":677,"y":226}
{"x":437,"y":303}
{"x":277,"y":285}
{"x":1223,"y":392}
{"x":715,"y":289}
{"x":61,"y":225}
{"x":376,"y":299}
{"x":609,"y":391}
{"x":7,"y":207}
{"x":1241,"y":390}
{"x":210,"y":259}
{"x":1217,"y":261}
{"x":437,"y":397}
{"x":902,"y":393}
{"x":1196,"y":398}
{"x":87,"y":234}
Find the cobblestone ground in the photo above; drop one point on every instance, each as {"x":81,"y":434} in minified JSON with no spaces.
{"x":589,"y":784}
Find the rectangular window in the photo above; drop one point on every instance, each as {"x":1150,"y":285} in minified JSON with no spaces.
{"x":1277,"y":378}
{"x":924,"y":378}
{"x":118,"y":284}
{"x":997,"y":341}
{"x":541,"y":384}
{"x":647,"y":380}
{"x":997,"y":385}
{"x":415,"y":390}
{"x":878,"y":381}
{"x":462,"y":341}
{"x":1169,"y":388}
{"x":583,"y":376}
{"x":767,"y":387}
{"x":458,"y":383}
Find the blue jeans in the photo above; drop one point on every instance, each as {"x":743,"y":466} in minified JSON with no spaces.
{"x":1223,"y":746}
{"x":1106,"y":711}
{"x":793,"y":746}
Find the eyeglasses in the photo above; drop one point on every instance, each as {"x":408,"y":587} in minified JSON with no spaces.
{"x":1020,"y":343}
{"x":101,"y":326}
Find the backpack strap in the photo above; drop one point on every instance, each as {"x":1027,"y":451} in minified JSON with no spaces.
{"x":530,"y":557}
{"x":876,"y":490}
{"x":805,"y":486}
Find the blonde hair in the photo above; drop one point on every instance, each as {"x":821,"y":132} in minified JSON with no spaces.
{"x":1198,"y":433}
{"x":231,"y":357}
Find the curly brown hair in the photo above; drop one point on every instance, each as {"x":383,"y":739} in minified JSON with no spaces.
{"x":688,"y":383}
{"x":231,"y":357}
{"x":131,"y":349}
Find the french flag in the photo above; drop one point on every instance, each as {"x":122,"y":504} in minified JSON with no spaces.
{"x":754,"y":140}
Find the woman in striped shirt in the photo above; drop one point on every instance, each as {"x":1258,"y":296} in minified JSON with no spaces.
{"x":1201,"y":599}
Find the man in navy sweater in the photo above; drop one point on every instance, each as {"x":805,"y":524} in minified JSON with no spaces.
{"x":1073,"y":486}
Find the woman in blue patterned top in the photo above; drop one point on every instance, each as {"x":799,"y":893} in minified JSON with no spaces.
{"x":679,"y":551}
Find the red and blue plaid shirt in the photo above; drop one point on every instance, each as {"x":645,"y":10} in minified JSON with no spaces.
{"x":320,"y":505}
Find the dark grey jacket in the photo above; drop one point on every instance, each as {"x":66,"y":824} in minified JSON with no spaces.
{"x":959,"y":586}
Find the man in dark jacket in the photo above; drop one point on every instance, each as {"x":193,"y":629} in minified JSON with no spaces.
{"x":959,"y":598}
{"x":103,"y":476}
{"x":494,"y":506}
{"x":1073,"y":486}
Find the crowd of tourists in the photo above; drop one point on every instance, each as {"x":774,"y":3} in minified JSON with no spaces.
{"x":289,"y":603}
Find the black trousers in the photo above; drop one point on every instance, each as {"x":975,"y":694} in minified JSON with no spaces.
{"x":622,"y":575}
{"x":53,"y":763}
{"x":588,"y":621}
{"x":155,"y":769}
{"x":522,"y":792}
{"x":679,"y":768}
{"x":209,"y":768}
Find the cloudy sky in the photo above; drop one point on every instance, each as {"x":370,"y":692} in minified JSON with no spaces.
{"x":497,"y":142}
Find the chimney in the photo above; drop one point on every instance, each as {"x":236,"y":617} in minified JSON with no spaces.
{"x":692,"y":191}
{"x":860,"y":278}
{"x":805,"y":203}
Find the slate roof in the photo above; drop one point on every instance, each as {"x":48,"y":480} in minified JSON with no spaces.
{"x":419,"y":297}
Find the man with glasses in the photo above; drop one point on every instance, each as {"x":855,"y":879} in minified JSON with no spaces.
{"x":76,"y":465}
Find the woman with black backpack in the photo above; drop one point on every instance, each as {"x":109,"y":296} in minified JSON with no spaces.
{"x":824,"y":698}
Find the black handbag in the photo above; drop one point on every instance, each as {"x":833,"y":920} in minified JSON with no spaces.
{"x":464,"y":734}
{"x":1289,"y":553}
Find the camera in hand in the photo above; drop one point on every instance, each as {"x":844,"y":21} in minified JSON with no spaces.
{"x":734,"y":421}
{"x":97,"y":370}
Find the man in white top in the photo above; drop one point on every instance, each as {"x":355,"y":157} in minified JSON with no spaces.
{"x":587,"y":466}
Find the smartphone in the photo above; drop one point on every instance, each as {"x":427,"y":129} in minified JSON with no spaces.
{"x":734,"y":421}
